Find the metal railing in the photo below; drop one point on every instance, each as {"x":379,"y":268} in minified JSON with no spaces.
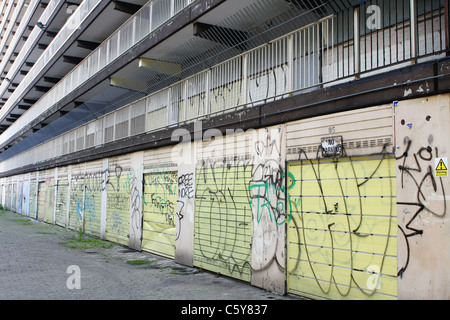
{"x":148,"y":18}
{"x":49,"y":12}
{"x":57,"y":92}
{"x":320,"y":54}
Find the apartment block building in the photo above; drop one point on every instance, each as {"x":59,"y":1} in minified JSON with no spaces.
{"x":299,"y":146}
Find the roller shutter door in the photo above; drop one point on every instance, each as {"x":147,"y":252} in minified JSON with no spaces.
{"x":76,"y":209}
{"x":160,"y":205}
{"x":342,"y":242}
{"x":342,"y":239}
{"x":118,"y":202}
{"x":223,"y":220}
{"x":61,"y":202}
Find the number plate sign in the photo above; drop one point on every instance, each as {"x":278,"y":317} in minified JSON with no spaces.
{"x":332,"y":146}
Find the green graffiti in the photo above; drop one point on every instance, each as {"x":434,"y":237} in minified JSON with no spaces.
{"x":276,"y":210}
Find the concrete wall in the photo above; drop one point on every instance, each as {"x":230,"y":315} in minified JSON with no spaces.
{"x":422,"y":135}
{"x":268,"y":207}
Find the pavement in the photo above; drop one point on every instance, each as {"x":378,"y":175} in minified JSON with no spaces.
{"x":39,"y":261}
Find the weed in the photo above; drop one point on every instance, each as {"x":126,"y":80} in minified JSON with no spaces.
{"x":24,"y":222}
{"x":137,"y":262}
{"x":81,"y":242}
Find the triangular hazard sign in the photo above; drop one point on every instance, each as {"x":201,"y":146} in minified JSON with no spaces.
{"x":441,"y":165}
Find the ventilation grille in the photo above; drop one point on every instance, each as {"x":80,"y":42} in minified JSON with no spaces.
{"x":355,"y":144}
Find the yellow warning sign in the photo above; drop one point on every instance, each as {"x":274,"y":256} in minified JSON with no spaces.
{"x":441,"y":167}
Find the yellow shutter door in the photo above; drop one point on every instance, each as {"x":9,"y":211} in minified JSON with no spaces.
{"x":223,"y":220}
{"x":160,"y":205}
{"x":118,"y":206}
{"x":92,"y":206}
{"x":76,"y":210}
{"x":341,"y":242}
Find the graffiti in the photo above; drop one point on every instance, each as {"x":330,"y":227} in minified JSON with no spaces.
{"x":180,"y":216}
{"x":79,"y":207}
{"x":264,"y":84}
{"x":117,"y":208}
{"x":268,"y":179}
{"x":272,"y":186}
{"x":89,"y":207}
{"x":186,"y":191}
{"x":163,"y":189}
{"x":135,"y":198}
{"x":99,"y":180}
{"x":240,"y":207}
{"x":416,"y":171}
{"x":186,"y":186}
{"x":116,"y":224}
{"x":117,"y":183}
{"x":223,"y":216}
{"x":344,"y":220}
{"x":61,"y":201}
{"x":46,"y":197}
{"x":160,"y":205}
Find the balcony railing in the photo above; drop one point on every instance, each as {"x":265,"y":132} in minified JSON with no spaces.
{"x":317,"y":55}
{"x":47,"y":15}
{"x":148,"y":19}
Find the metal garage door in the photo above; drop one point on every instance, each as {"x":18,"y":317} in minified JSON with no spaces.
{"x":118,"y":204}
{"x":341,"y":243}
{"x":223,"y":219}
{"x":61,"y":201}
{"x":160,"y":205}
{"x":46,"y":200}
